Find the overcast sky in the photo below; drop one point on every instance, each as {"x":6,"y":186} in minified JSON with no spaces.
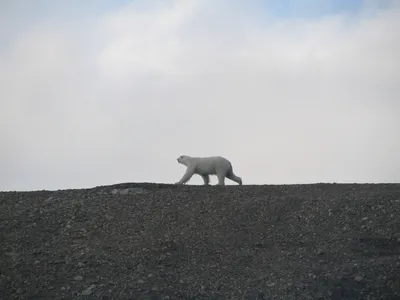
{"x":102,"y":92}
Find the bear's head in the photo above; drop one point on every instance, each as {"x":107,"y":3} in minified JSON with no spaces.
{"x":183,"y":159}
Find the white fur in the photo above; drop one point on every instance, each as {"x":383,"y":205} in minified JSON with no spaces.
{"x":205,"y":166}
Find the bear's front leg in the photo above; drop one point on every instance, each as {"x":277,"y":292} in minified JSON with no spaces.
{"x":186,"y":177}
{"x":206,"y":179}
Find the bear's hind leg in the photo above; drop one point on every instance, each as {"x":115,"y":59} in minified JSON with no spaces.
{"x":221,"y":179}
{"x":233,"y":177}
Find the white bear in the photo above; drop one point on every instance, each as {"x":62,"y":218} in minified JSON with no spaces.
{"x":205,"y":166}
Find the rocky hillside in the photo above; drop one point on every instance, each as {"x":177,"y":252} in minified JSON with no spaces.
{"x":152,"y":241}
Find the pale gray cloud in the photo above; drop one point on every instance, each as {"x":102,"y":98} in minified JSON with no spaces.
{"x":118,"y":99}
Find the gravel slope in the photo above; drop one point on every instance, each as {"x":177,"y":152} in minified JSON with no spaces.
{"x":153,"y":241}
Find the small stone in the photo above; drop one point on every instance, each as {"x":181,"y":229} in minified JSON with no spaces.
{"x":80,"y":264}
{"x":365,"y":219}
{"x":136,"y":190}
{"x":37,"y":262}
{"x":68,"y":226}
{"x":358,"y":278}
{"x":260,"y":296}
{"x":78,"y":278}
{"x":48,"y":200}
{"x":140,"y":281}
{"x":124,"y":192}
{"x":128,"y":191}
{"x":88,"y":291}
{"x":271,"y":284}
{"x":12,"y":254}
{"x":150,"y":275}
{"x":20,"y":291}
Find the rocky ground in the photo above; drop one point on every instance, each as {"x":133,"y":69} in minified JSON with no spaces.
{"x":151,"y":241}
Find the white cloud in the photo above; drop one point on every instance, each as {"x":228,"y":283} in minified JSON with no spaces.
{"x":119,"y":99}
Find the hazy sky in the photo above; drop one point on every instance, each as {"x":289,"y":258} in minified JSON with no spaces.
{"x":102,"y":92}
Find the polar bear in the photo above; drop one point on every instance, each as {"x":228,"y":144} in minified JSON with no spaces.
{"x":205,"y":166}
